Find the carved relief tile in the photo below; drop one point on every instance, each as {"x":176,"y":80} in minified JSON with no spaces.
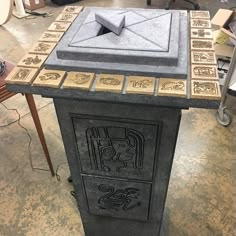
{"x":32,"y":61}
{"x":49,"y":36}
{"x":73,"y":9}
{"x":79,"y":80}
{"x":205,"y":45}
{"x":42,"y":48}
{"x":172,"y":87}
{"x":66,"y":17}
{"x":201,"y":33}
{"x":110,"y":83}
{"x":198,"y":57}
{"x":140,"y":85}
{"x":204,"y":72}
{"x":199,"y":23}
{"x":49,"y":78}
{"x":21,"y":75}
{"x":200,"y":14}
{"x":59,"y":26}
{"x":205,"y":89}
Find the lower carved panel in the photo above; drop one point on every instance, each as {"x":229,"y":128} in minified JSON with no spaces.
{"x":116,"y":198}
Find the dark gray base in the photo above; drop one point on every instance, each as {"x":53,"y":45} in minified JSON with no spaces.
{"x":136,"y":181}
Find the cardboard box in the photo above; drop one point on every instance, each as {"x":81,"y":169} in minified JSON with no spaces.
{"x":34,"y":4}
{"x":223,"y":51}
{"x":221,"y":18}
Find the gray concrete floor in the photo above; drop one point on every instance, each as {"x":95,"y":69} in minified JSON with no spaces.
{"x":200,"y":195}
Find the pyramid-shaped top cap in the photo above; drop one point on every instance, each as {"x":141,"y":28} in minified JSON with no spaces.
{"x":114,"y":23}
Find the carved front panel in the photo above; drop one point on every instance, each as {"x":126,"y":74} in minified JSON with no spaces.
{"x":117,"y":198}
{"x":123,"y":149}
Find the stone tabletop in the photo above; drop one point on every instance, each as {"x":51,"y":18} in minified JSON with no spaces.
{"x":142,"y":56}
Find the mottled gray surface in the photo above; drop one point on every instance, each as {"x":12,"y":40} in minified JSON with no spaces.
{"x":154,"y":44}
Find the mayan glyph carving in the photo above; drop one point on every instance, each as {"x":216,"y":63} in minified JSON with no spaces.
{"x":203,"y":58}
{"x":199,"y":23}
{"x":200,"y":14}
{"x":201,"y":33}
{"x":198,"y":44}
{"x":66,"y":17}
{"x":204,"y":72}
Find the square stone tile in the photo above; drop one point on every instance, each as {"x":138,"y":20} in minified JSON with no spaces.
{"x":49,"y":78}
{"x":110,"y":83}
{"x":204,"y":89}
{"x":32,"y":60}
{"x":50,"y":36}
{"x":204,"y":72}
{"x":21,"y":75}
{"x":72,"y":9}
{"x":200,"y":14}
{"x":140,"y":85}
{"x":203,"y":45}
{"x":200,"y":23}
{"x":66,"y":17}
{"x":199,"y":57}
{"x":201,"y":34}
{"x":172,"y":87}
{"x":59,"y":26}
{"x":44,"y":48}
{"x":79,"y":80}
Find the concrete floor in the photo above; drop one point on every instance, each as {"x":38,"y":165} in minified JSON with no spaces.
{"x":200,"y":195}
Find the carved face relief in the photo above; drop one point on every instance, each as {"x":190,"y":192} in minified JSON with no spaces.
{"x":208,"y":88}
{"x":32,"y":60}
{"x":49,"y":76}
{"x":141,"y":83}
{"x":110,"y":81}
{"x":80,"y":78}
{"x":178,"y":85}
{"x":21,"y":74}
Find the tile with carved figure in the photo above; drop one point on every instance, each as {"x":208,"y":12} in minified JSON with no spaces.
{"x":50,"y":36}
{"x":200,"y":23}
{"x":205,"y":72}
{"x":110,"y":83}
{"x":72,"y":9}
{"x":66,"y":17}
{"x":79,"y":80}
{"x":42,"y":48}
{"x":200,"y":14}
{"x":203,"y":89}
{"x":140,"y":85}
{"x":59,"y":26}
{"x":49,"y":78}
{"x":21,"y":75}
{"x":203,"y":45}
{"x":32,"y":60}
{"x":201,"y":34}
{"x":200,"y":57}
{"x":172,"y":87}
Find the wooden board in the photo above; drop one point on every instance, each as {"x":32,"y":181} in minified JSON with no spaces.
{"x":32,"y":61}
{"x":79,"y":80}
{"x":66,"y":17}
{"x":43,"y":48}
{"x":6,"y":7}
{"x":21,"y":75}
{"x":199,"y":23}
{"x":140,"y":85}
{"x":49,"y":78}
{"x":59,"y":26}
{"x":110,"y":83}
{"x":205,"y":89}
{"x":201,"y":34}
{"x":200,"y":14}
{"x":50,"y":36}
{"x":73,"y":9}
{"x":199,"y":57}
{"x":202,"y":45}
{"x":172,"y":87}
{"x":204,"y":72}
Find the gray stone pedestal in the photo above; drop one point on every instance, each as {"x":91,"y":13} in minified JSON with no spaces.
{"x":120,"y":157}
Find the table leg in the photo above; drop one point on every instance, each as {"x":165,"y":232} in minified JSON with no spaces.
{"x":34,"y":113}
